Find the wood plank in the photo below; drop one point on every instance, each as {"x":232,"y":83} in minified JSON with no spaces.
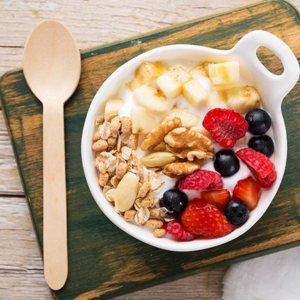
{"x":138,"y":265}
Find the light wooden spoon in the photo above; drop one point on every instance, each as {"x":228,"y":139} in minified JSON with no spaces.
{"x":52,"y":68}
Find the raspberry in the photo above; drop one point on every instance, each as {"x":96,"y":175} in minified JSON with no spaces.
{"x":178,"y":232}
{"x":225,"y":126}
{"x":200,"y":180}
{"x":260,"y":165}
{"x":202,"y":218}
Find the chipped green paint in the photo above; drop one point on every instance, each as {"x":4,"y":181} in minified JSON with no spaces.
{"x":104,"y":261}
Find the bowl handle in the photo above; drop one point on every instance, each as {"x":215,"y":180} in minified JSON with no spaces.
{"x":278,"y":85}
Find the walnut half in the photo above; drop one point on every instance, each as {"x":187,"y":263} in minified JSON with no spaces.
{"x":177,"y":169}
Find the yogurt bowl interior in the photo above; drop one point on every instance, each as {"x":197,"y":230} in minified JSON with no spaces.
{"x":272,"y":89}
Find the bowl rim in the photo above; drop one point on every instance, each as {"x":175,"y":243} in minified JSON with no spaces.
{"x":170,"y":245}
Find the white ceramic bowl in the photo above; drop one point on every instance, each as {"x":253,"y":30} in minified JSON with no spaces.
{"x":273,"y":88}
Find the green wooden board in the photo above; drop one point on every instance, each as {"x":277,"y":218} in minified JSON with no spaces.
{"x":104,"y":261}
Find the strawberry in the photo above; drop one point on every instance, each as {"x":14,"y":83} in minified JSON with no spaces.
{"x":200,"y":180}
{"x":202,"y":218}
{"x":248,"y":190}
{"x":260,"y":165}
{"x":177,"y":231}
{"x":219,"y":198}
{"x":225,"y":126}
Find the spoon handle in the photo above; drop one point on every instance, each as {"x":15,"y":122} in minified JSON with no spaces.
{"x":55,"y":200}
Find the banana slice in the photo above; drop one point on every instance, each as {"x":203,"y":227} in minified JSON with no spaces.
{"x":142,"y":120}
{"x":171,"y":82}
{"x":151,"y":98}
{"x":224,"y":75}
{"x":147,"y":72}
{"x":113,"y":106}
{"x":242,"y":99}
{"x":187,"y":118}
{"x":200,"y":71}
{"x":194,"y":92}
{"x":217,"y":99}
{"x":126,"y":192}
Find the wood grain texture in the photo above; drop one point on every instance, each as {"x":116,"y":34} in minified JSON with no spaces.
{"x":17,"y":19}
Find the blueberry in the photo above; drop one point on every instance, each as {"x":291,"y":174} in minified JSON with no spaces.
{"x":259,"y":121}
{"x":226,"y":163}
{"x":263,"y":144}
{"x":174,"y":201}
{"x":237,"y":212}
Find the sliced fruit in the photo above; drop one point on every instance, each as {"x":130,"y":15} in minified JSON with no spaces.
{"x":200,"y":180}
{"x":261,"y":166}
{"x":199,"y":71}
{"x":126,"y":192}
{"x":147,"y":72}
{"x":142,"y":120}
{"x":242,"y":99}
{"x":224,"y":74}
{"x":151,"y":98}
{"x":217,"y":100}
{"x":171,"y":82}
{"x":248,"y":190}
{"x":225,"y":126}
{"x":219,"y":198}
{"x":113,"y":106}
{"x":202,"y":218}
{"x":187,"y":118}
{"x":177,"y":231}
{"x":194,"y":92}
{"x":158,"y":159}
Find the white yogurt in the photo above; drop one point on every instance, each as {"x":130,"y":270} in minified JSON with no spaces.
{"x":229,"y":183}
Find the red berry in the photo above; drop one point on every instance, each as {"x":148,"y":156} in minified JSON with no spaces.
{"x":261,"y":166}
{"x":225,"y":126}
{"x":178,"y":232}
{"x":202,"y":218}
{"x":200,"y":180}
{"x":248,"y":190}
{"x":219,"y":198}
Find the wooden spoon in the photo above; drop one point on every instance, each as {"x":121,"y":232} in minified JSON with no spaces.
{"x":52,"y":68}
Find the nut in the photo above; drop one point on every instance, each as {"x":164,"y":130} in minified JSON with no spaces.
{"x":144,"y":189}
{"x":156,"y":136}
{"x":181,"y":168}
{"x":154,"y":224}
{"x":148,"y":201}
{"x":126,"y":192}
{"x":111,"y":141}
{"x":115,"y":125}
{"x":121,"y":170}
{"x":133,"y":141}
{"x":160,"y":147}
{"x":126,"y":124}
{"x":100,"y":145}
{"x":189,"y":144}
{"x":103,"y":179}
{"x":159,"y":232}
{"x":129,"y":215}
{"x":158,"y":159}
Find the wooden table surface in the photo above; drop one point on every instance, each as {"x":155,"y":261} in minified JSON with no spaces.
{"x":92,"y":23}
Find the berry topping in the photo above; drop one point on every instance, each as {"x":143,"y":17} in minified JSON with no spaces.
{"x":248,"y":190}
{"x":259,"y":121}
{"x":237,"y":212}
{"x":200,"y":180}
{"x":174,"y":201}
{"x":177,"y":231}
{"x":263,"y":144}
{"x":219,"y":198}
{"x":226,"y":163}
{"x":225,"y":126}
{"x":202,"y":218}
{"x":261,"y":167}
